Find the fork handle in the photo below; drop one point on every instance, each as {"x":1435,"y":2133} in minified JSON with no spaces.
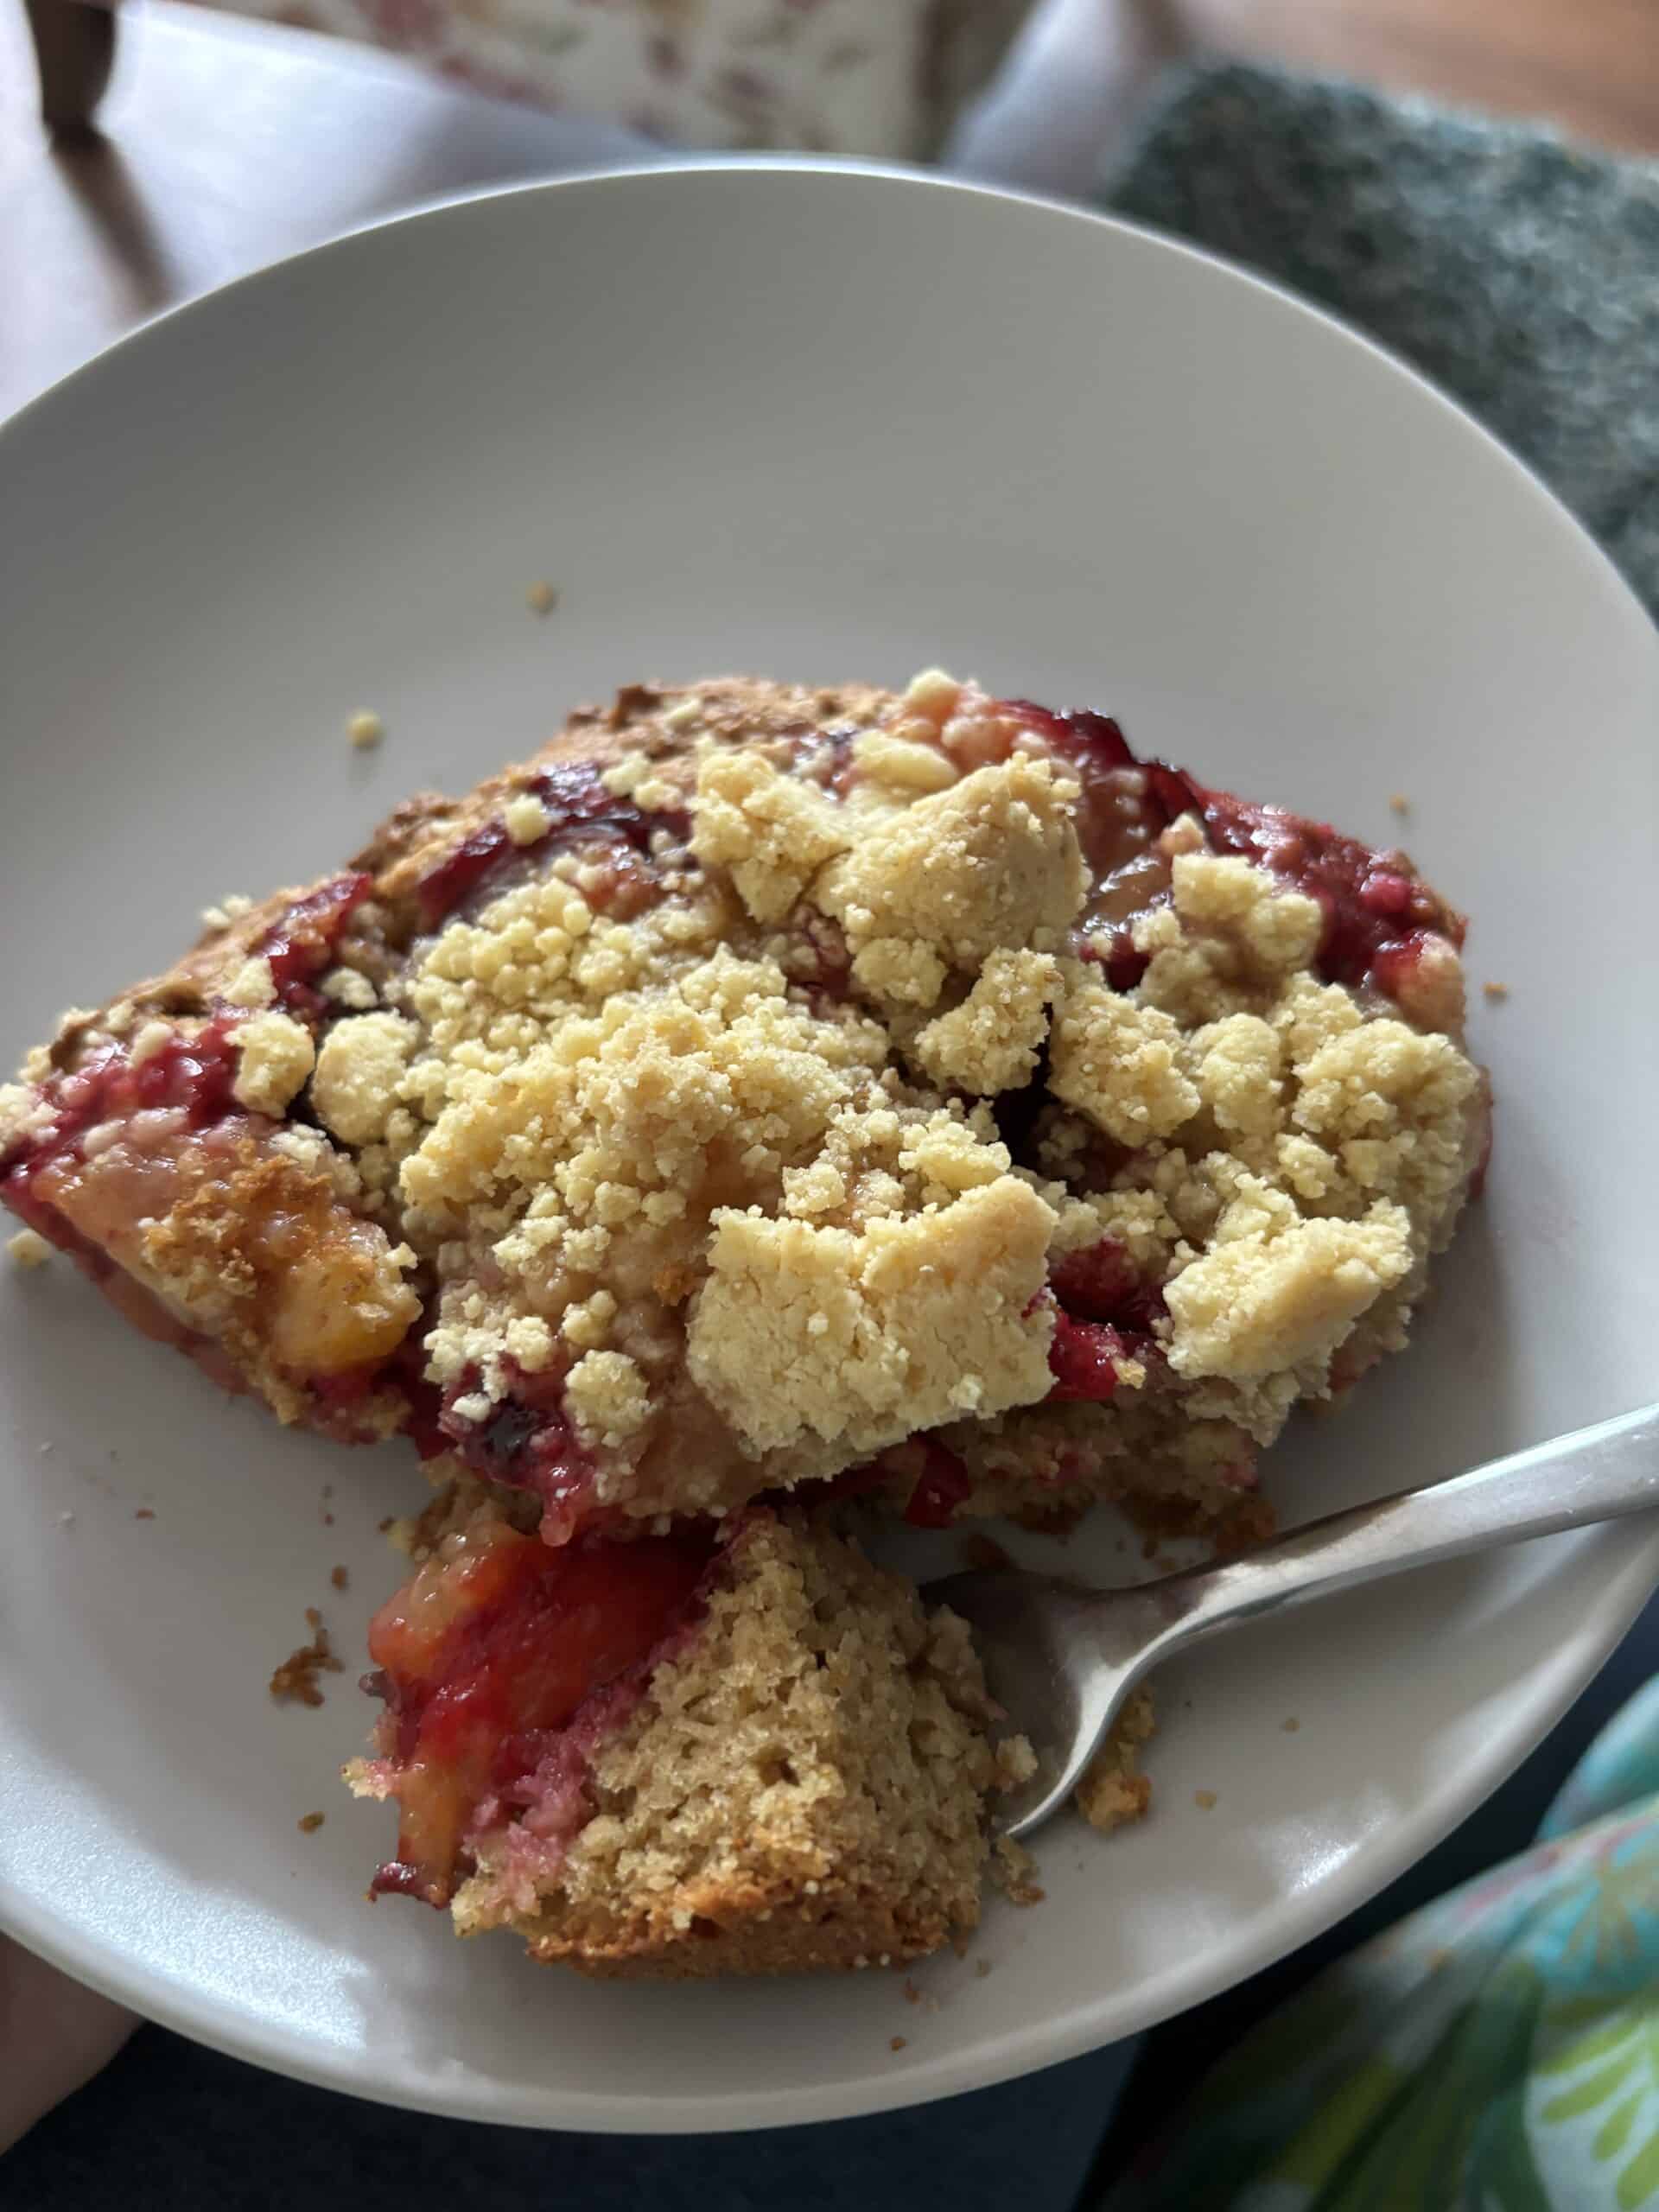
{"x":1594,"y":1474}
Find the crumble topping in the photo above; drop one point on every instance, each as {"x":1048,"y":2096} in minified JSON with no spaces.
{"x":772,"y":832}
{"x":346,"y":987}
{"x":1228,"y":941}
{"x":276,"y":1057}
{"x":992,"y":863}
{"x":606,"y":1397}
{"x":528,"y":821}
{"x":991,"y":1041}
{"x":653,"y":1147}
{"x":360,"y":1067}
{"x":1274,"y":1293}
{"x":27,"y":1250}
{"x":1121,"y":1063}
{"x":229,"y":909}
{"x":151,"y":1039}
{"x":857,"y":1338}
{"x":777,"y":1082}
{"x":903,"y":763}
{"x":252,"y":986}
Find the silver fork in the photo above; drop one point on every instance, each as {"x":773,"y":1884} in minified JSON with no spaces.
{"x":1060,"y":1658}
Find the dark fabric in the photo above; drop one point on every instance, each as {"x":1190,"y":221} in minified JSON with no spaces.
{"x":171,"y":2127}
{"x":1518,"y":272}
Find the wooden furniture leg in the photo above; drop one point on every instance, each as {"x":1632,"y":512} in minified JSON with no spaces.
{"x":75,"y":47}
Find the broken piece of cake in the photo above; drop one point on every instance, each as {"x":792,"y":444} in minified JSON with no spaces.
{"x":770,"y":1095}
{"x":735,"y":1747}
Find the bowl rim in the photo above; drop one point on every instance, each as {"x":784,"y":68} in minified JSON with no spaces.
{"x":1632,"y":1564}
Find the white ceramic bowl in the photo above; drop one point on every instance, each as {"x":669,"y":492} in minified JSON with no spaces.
{"x":817,"y":424}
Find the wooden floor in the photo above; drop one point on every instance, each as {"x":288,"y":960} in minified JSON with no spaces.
{"x":229,"y":144}
{"x":1592,"y":65}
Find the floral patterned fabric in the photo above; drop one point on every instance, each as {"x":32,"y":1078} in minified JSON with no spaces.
{"x":1496,"y":2052}
{"x":871,"y":77}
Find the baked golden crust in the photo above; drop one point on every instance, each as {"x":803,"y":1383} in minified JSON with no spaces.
{"x":801,"y":1782}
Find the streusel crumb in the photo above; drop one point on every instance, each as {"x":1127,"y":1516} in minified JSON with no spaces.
{"x":991,"y":864}
{"x":276,"y":1057}
{"x":992,"y":1040}
{"x":26,"y":1249}
{"x":359,"y":1070}
{"x":1114,"y":1790}
{"x":807,"y":1333}
{"x":1122,"y":1064}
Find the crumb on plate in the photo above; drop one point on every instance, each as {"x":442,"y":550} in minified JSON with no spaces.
{"x":1012,"y":1868}
{"x":984,"y":1552}
{"x":28,"y":1249}
{"x":366,"y":728}
{"x":295,"y":1681}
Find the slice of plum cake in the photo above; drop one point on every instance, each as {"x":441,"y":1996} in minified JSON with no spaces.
{"x":734,"y":1747}
{"x":766,"y":1087}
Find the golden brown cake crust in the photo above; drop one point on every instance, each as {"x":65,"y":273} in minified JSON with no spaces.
{"x":802,"y":1785}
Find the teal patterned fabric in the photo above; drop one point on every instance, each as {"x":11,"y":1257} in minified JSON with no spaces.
{"x":1495,"y":2052}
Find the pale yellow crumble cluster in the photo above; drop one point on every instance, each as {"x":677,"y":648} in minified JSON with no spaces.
{"x":991,"y":1041}
{"x":863,"y":1336}
{"x":28,"y":1249}
{"x":706,"y":1170}
{"x":360,"y":1064}
{"x":744,"y":1221}
{"x":1297,"y":1161}
{"x":771,"y":832}
{"x":991,"y":864}
{"x":1121,"y":1063}
{"x":274,"y":1057}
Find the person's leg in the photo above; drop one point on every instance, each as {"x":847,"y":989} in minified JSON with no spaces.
{"x":54,"y":2034}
